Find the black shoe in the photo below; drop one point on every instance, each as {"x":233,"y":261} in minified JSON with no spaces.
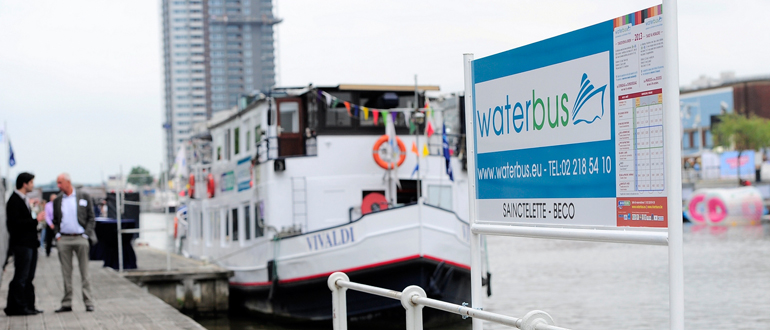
{"x":37,"y":311}
{"x":63,"y":309}
{"x":19,"y":312}
{"x":89,"y":308}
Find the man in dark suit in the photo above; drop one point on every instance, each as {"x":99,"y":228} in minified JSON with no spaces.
{"x":23,"y":244}
{"x":74,"y":222}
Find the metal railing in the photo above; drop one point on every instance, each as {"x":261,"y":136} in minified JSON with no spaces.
{"x":414,"y":299}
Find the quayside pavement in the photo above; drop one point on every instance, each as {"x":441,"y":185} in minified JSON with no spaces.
{"x":120,"y":304}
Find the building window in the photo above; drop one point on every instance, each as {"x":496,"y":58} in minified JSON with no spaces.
{"x":227,"y":144}
{"x":219,"y":153}
{"x":248,"y":140}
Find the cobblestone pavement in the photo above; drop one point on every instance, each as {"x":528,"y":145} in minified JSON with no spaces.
{"x":119,"y":303}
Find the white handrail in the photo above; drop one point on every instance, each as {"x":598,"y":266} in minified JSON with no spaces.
{"x":413,"y":298}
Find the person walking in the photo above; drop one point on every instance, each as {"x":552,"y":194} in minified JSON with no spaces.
{"x":22,"y":229}
{"x":74,"y":222}
{"x":48,"y":230}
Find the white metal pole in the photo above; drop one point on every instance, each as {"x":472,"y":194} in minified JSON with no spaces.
{"x":118,"y":211}
{"x":673,"y":157}
{"x":419,"y":178}
{"x":470,"y":146}
{"x":169,"y":242}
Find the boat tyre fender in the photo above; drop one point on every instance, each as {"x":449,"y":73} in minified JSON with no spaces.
{"x":380,"y":161}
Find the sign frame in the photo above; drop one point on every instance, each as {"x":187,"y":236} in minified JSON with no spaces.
{"x":672,"y":237}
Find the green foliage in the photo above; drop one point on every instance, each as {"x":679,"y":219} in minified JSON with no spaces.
{"x":140,"y":176}
{"x":742,"y":133}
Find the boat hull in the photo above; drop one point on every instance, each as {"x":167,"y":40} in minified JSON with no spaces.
{"x":310,"y":300}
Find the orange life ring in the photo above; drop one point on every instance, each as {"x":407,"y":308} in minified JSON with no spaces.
{"x":380,"y":161}
{"x":210,"y":186}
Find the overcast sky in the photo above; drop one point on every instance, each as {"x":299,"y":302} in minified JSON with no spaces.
{"x":80,"y":80}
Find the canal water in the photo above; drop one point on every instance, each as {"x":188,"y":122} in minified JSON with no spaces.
{"x":586,"y":285}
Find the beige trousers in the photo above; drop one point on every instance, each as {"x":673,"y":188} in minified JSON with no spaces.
{"x":67,"y":246}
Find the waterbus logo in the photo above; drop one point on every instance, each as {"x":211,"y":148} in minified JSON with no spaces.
{"x":623,"y":203}
{"x":588,"y":107}
{"x":654,"y":20}
{"x":623,"y":29}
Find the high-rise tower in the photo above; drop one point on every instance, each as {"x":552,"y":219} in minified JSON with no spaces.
{"x":213,"y":52}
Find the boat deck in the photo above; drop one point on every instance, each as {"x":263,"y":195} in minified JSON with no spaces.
{"x":119,"y":303}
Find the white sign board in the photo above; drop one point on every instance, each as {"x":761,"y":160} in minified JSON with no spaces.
{"x":569,"y":130}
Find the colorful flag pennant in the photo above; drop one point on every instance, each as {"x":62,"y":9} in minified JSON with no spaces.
{"x":366,"y":113}
{"x":395,"y":115}
{"x":347,"y":106}
{"x":416,"y":168}
{"x":429,"y":129}
{"x":376,"y":116}
{"x":356,"y":108}
{"x":425,"y":151}
{"x":385,"y":117}
{"x":328,"y":99}
{"x":445,"y":145}
{"x":334,"y":103}
{"x":11,"y":158}
{"x":414,"y":148}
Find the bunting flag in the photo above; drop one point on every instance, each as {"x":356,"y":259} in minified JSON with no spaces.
{"x":354,"y":110}
{"x":416,"y":168}
{"x":428,"y":109}
{"x":11,"y":157}
{"x":445,"y":146}
{"x":414,"y":149}
{"x":384,"y":116}
{"x":425,"y":151}
{"x":429,"y":129}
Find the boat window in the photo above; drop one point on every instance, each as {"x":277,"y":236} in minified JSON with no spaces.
{"x":235,"y":224}
{"x":237,"y":143}
{"x":226,"y":219}
{"x":227,"y":144}
{"x":260,"y":221}
{"x":247,"y":222}
{"x":407,"y":193}
{"x":337,"y":115}
{"x":192,"y":223}
{"x":213,"y":233}
{"x":440,"y":196}
{"x":200,"y":226}
{"x":248,"y":140}
{"x":289,"y":117}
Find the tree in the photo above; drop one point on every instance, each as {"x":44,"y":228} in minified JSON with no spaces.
{"x":742,"y":133}
{"x":140,"y":176}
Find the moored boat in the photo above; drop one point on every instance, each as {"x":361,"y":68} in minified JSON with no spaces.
{"x":303,"y":182}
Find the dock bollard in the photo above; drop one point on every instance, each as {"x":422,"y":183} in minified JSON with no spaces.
{"x":339,"y":301}
{"x":413,"y":311}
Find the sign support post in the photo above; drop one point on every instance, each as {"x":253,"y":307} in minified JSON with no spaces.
{"x":476,"y":289}
{"x":673,"y":173}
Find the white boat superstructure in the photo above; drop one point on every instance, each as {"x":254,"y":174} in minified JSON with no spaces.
{"x":286,"y":191}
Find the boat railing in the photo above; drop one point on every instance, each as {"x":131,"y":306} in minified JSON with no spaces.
{"x":414,"y":299}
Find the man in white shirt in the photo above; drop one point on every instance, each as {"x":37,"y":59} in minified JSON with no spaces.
{"x":74,"y":224}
